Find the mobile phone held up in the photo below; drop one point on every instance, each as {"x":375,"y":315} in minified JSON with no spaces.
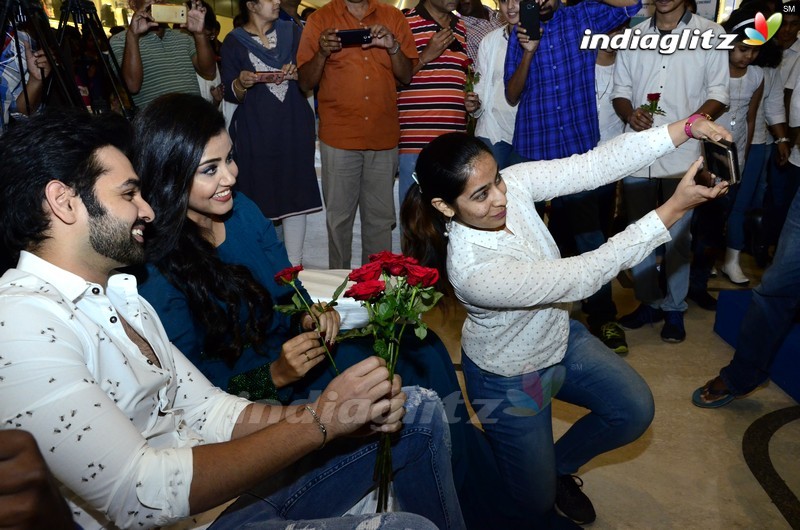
{"x":529,"y":18}
{"x":168,"y":13}
{"x":721,"y":162}
{"x":269,"y":77}
{"x":354,"y":37}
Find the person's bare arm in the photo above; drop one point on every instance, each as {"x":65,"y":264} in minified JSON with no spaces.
{"x":310,"y":73}
{"x":203,"y":60}
{"x":132,"y":71}
{"x":436,"y":47}
{"x":268,"y":438}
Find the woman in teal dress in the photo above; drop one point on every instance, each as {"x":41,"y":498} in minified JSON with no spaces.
{"x":212,"y":261}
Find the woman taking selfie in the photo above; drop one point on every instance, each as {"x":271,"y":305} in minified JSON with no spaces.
{"x":273,"y":127}
{"x":480,"y":229}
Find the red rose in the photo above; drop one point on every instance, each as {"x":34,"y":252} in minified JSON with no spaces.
{"x":418,"y":275}
{"x":655,"y":96}
{"x":288,"y":275}
{"x":366,"y":290}
{"x":368,"y":272}
{"x":383,"y":256}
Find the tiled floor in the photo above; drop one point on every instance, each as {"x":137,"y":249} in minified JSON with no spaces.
{"x":688,"y":470}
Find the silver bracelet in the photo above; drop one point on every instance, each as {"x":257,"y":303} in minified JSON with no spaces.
{"x":396,"y":48}
{"x":321,"y":426}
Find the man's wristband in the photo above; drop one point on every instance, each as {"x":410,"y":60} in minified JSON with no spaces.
{"x":394,"y":49}
{"x":687,"y":128}
{"x":782,"y":140}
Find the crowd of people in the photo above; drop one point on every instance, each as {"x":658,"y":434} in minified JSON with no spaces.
{"x":140,"y":346}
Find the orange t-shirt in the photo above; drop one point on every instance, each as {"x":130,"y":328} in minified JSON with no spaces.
{"x":358,"y":91}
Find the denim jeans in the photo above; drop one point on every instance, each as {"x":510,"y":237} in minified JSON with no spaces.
{"x":584,"y":211}
{"x":748,"y":194}
{"x":771,"y":312}
{"x":500,"y":150}
{"x":519,"y":419}
{"x":327,"y":483}
{"x":782,"y":184}
{"x":407,"y":165}
{"x":641,"y":196}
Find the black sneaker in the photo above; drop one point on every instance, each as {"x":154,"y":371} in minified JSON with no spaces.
{"x":572,"y":502}
{"x":703,"y":299}
{"x":644,"y":314}
{"x":613,"y":336}
{"x":673,"y":330}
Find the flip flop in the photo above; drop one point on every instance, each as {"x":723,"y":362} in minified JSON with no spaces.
{"x":718,"y":398}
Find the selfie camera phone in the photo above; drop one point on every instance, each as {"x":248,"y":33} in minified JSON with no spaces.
{"x":270,"y":77}
{"x":722,"y":160}
{"x":354,"y":37}
{"x":169,"y":14}
{"x":529,"y":18}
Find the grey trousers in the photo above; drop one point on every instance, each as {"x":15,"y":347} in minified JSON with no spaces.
{"x":353,"y":180}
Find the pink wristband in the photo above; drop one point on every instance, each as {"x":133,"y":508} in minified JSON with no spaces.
{"x":687,"y":128}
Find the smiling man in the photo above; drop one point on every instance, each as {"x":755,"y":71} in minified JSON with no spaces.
{"x":134,"y":434}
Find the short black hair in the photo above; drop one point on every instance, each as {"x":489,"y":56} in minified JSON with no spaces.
{"x":60,"y":144}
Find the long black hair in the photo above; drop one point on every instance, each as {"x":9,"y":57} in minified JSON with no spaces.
{"x":442,"y":171}
{"x":171,"y":134}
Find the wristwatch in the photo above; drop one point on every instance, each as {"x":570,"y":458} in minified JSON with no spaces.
{"x":394,"y":49}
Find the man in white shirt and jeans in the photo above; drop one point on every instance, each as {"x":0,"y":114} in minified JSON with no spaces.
{"x":688,"y":81}
{"x":135,"y":435}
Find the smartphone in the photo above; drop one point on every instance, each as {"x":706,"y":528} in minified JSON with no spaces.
{"x":721,"y":162}
{"x":354,"y":37}
{"x":529,"y":18}
{"x":269,"y":77}
{"x":168,"y":13}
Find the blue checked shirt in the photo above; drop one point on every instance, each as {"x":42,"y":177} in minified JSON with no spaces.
{"x":557,"y":114}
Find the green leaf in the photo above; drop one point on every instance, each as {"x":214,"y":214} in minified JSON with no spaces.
{"x":355,"y":333}
{"x":289,"y":309}
{"x":381,"y":349}
{"x":339,"y":289}
{"x":421,"y":331}
{"x":298,"y":301}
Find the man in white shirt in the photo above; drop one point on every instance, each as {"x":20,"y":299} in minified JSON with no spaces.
{"x":688,"y":81}
{"x":134,"y":434}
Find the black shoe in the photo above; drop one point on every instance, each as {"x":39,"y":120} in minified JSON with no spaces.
{"x":703,"y":299}
{"x":673,"y":330}
{"x":644,"y":314}
{"x":613,"y":336}
{"x":572,"y":502}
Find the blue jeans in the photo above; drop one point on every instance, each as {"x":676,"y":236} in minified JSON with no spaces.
{"x":584,"y":211}
{"x":641,"y":196}
{"x":407,"y":164}
{"x":782,"y":184}
{"x":771,"y":312}
{"x":748,"y":194}
{"x":519,"y":422}
{"x":501,"y":152}
{"x":327,"y":483}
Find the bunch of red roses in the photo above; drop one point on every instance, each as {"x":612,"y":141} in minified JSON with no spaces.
{"x":396,"y":290}
{"x":652,"y":104}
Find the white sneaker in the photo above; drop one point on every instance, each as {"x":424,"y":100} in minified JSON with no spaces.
{"x":731,"y":268}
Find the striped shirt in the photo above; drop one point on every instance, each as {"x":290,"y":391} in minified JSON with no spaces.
{"x":433,"y":103}
{"x":166,"y":64}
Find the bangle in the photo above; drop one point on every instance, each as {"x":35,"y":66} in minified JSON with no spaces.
{"x":321,"y":426}
{"x":782,"y":140}
{"x":241,"y":86}
{"x":687,"y":128}
{"x":394,"y":49}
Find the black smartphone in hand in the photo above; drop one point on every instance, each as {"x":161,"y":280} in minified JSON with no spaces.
{"x":721,"y":160}
{"x":354,"y":37}
{"x":529,"y":18}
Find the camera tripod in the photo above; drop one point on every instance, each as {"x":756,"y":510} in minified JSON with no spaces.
{"x":28,"y":17}
{"x":84,"y":12}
